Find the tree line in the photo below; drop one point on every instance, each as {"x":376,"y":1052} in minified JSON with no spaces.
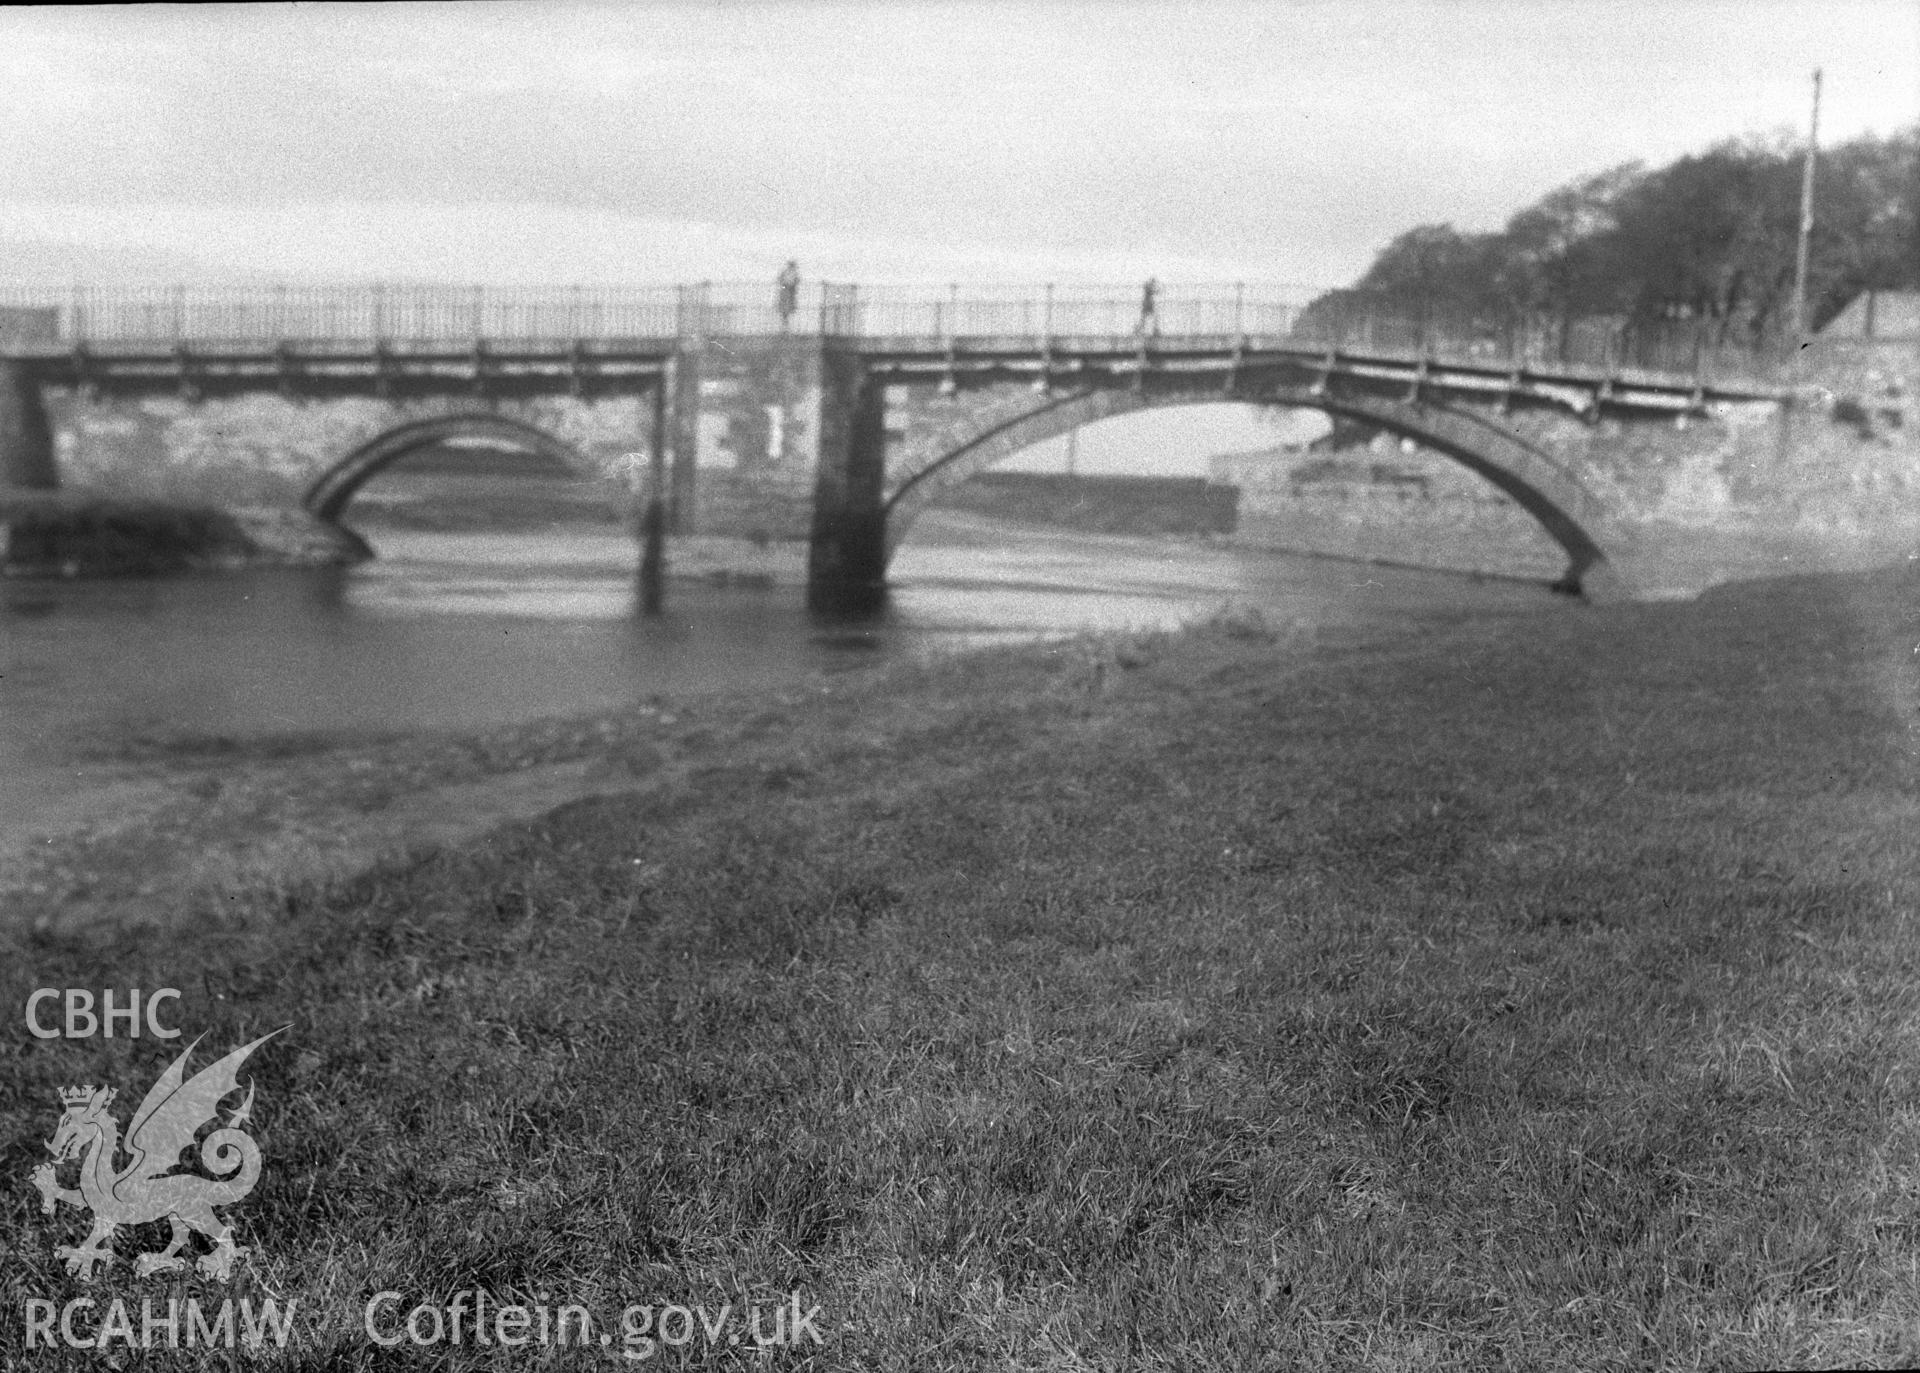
{"x":1708,"y":239}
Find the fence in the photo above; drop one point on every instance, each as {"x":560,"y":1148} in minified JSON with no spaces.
{"x":408,"y":313}
{"x":1543,"y":341}
{"x":148,"y":314}
{"x":1339,"y":320}
{"x":1025,"y":311}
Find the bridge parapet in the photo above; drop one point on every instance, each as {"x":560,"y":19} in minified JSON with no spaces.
{"x":886,"y":317}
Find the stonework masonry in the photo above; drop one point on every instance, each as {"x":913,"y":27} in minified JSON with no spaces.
{"x":266,"y":449}
{"x":775,"y":440}
{"x":748,"y":465}
{"x":1831,"y":480}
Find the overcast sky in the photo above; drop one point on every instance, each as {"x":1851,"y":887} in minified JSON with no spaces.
{"x":1279,"y":142}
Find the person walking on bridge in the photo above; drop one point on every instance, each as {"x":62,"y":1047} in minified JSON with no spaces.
{"x":787,"y":296}
{"x":1149,"y":302}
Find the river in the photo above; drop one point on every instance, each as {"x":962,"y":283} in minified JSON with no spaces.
{"x":450,"y":630}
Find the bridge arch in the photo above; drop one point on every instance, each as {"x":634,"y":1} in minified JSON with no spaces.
{"x":328,"y":497}
{"x":1570,"y":514}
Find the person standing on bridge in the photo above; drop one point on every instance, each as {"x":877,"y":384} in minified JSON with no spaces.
{"x":787,"y":296}
{"x":1149,"y":301}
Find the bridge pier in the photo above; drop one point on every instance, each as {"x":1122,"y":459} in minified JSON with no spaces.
{"x":847,"y":554}
{"x":675,"y":442}
{"x":26,"y":435}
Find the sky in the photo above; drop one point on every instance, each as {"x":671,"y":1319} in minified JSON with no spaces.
{"x":558,"y":142}
{"x":1015,"y":142}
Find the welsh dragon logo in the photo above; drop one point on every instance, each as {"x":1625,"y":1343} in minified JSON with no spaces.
{"x":147,"y":1189}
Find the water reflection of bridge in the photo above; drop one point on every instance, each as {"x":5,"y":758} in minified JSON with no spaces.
{"x":777,"y":423}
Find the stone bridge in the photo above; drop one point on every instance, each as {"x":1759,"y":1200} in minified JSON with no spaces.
{"x":835,"y":423}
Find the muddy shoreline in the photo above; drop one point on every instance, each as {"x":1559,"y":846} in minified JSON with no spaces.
{"x":53,"y":534}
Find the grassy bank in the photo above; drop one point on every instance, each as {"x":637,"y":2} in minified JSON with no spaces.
{"x":1521,"y":992}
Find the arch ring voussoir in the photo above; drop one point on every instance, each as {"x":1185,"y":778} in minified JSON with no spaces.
{"x":1570,"y":514}
{"x":330,"y":494}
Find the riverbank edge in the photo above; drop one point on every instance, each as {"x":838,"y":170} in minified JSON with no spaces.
{"x":79,"y":534}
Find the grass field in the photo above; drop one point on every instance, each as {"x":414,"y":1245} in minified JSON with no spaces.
{"x":1511,"y":992}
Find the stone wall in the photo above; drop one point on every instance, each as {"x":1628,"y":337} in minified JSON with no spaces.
{"x":1382,"y":500}
{"x":755,"y":432}
{"x":1832,"y":480}
{"x":1746,"y":490}
{"x":743,"y":446}
{"x":265,"y":449}
{"x":1843,"y":459}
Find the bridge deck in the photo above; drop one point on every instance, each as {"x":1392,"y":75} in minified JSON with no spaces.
{"x":900,"y":323}
{"x":1237,"y":366}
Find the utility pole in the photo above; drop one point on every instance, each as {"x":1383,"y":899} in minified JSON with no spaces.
{"x":1806,"y":222}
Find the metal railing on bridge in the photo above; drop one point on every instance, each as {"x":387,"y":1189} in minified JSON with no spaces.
{"x":400,"y":313}
{"x":1331,"y":321}
{"x":1029,"y":312}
